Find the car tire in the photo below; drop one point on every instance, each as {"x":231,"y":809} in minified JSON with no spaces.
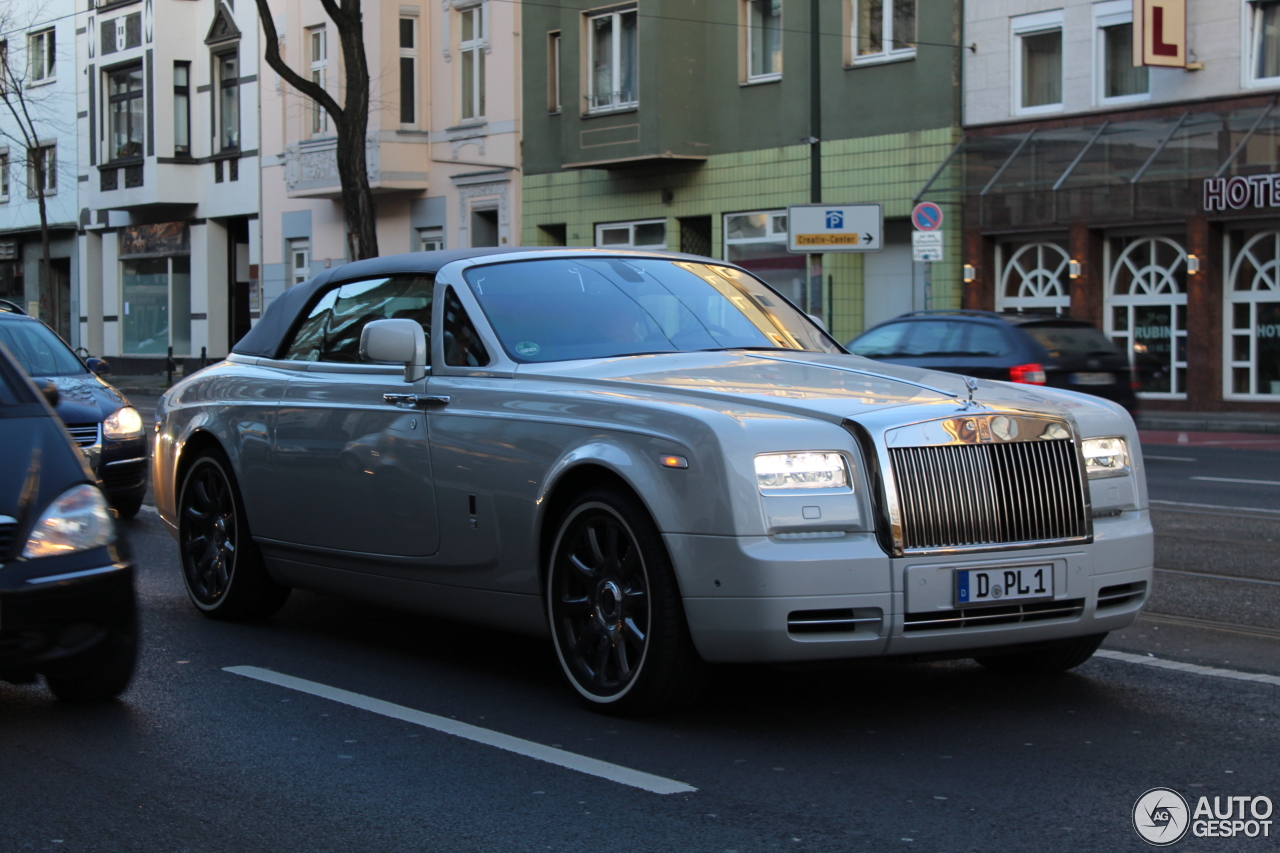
{"x":222,"y":567}
{"x":1045,"y":658}
{"x":101,"y":673}
{"x":615,"y":609}
{"x":127,"y":507}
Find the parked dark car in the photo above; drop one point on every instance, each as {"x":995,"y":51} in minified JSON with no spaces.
{"x":1035,"y":349}
{"x":67,"y":607}
{"x":108,"y":431}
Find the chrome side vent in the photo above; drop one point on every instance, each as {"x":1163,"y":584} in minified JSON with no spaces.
{"x":1121,"y":594}
{"x":839,"y":621}
{"x":984,"y":617}
{"x":989,"y":494}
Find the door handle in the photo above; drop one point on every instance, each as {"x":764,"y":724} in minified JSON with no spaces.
{"x":422,"y":400}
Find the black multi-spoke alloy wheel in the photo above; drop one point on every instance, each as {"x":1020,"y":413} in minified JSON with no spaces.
{"x":615,"y":610}
{"x":221,"y":565}
{"x":1045,"y":658}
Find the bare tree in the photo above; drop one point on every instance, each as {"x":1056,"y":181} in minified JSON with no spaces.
{"x":32,"y":114}
{"x":350,"y":120}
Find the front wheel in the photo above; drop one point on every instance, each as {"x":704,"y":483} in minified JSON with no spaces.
{"x":615,"y":610}
{"x":1044,"y":658}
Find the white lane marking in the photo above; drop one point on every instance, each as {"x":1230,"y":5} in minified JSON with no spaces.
{"x":1238,"y":480}
{"x":1215,"y":506}
{"x":488,"y":737}
{"x":1195,"y":669}
{"x":1169,"y":458}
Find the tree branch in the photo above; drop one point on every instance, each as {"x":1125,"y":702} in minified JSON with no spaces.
{"x":293,"y":78}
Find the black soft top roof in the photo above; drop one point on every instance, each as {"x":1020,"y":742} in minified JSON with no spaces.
{"x":268,"y":335}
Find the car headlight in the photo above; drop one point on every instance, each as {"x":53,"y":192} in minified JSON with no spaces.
{"x":123,"y":423}
{"x":76,"y":521}
{"x":809,"y":470}
{"x":1105,"y":457}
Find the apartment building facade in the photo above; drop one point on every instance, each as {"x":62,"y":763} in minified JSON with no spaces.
{"x":1137,"y":197}
{"x":690,"y":127}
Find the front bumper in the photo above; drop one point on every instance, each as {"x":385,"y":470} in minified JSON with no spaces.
{"x":757,"y":599}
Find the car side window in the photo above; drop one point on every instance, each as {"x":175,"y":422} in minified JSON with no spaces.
{"x":879,"y":343}
{"x":331,"y":332}
{"x":933,"y":337}
{"x":987,"y":341}
{"x":462,"y":345}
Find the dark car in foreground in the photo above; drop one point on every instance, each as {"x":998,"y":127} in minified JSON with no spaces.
{"x":67,"y":608}
{"x":108,"y":431}
{"x":1032,"y":349}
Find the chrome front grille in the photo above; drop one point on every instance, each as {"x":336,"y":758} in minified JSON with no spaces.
{"x":989,"y":494}
{"x":84,"y":435}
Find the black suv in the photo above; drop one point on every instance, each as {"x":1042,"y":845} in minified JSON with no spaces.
{"x":1037,"y":349}
{"x":108,"y":431}
{"x":67,"y":606}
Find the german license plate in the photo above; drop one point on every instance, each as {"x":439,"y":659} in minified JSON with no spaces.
{"x":1093,"y":379}
{"x":999,"y":586}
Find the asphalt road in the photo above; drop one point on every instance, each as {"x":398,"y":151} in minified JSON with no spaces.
{"x":888,"y":757}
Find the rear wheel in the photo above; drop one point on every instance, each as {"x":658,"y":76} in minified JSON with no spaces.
{"x":221,"y":565}
{"x":1045,"y":658}
{"x":615,"y":610}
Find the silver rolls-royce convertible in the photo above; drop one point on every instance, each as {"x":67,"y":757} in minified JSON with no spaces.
{"x":654,"y":459}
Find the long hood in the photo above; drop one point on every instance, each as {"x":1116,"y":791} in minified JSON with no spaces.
{"x":833,"y":387}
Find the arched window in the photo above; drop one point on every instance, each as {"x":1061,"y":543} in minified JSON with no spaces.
{"x":1147,"y":310}
{"x":1253,"y":315}
{"x":1033,"y":277}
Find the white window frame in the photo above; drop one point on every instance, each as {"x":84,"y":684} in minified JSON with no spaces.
{"x":631,"y":239}
{"x":477,"y":46}
{"x":42,"y":57}
{"x":1251,"y":37}
{"x":4,"y":175}
{"x":752,"y":75}
{"x":429,"y":239}
{"x":1032,"y":25}
{"x":298,"y":273}
{"x":887,"y":53}
{"x":410,"y":53}
{"x":50,"y":174}
{"x":1113,"y":13}
{"x":318,"y":54}
{"x":615,"y":61}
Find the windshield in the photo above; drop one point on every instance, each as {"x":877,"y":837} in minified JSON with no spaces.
{"x":568,"y":308}
{"x":38,"y":350}
{"x":1071,"y":340}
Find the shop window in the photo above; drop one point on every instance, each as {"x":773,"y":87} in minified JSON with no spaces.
{"x":319,"y":47}
{"x":1033,"y":277}
{"x":1264,"y":41}
{"x":156,"y":309}
{"x":612,"y":82}
{"x":1253,"y":316}
{"x":1119,"y":81}
{"x":633,"y":235}
{"x":883,"y":29}
{"x":758,"y":242}
{"x":125,"y":117}
{"x":473,"y":43}
{"x":1037,"y":63}
{"x":408,"y":70}
{"x":1146,"y":311}
{"x":764,"y":39}
{"x":41,"y":57}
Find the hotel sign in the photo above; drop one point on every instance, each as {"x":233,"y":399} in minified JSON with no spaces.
{"x":1240,"y":192}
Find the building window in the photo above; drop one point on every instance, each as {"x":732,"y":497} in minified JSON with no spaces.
{"x":42,"y":170}
{"x":430,"y":239}
{"x":125,"y":116}
{"x":41,"y":57}
{"x":1146,"y":311}
{"x":182,"y":109}
{"x":884,"y":29}
{"x":650,"y":234}
{"x":612,"y":83}
{"x":1119,"y":81}
{"x":228,"y":101}
{"x":1033,"y":277}
{"x":408,"y":70}
{"x":764,"y":39}
{"x":1264,"y":40}
{"x":299,"y":261}
{"x":553,"y":72}
{"x":471,"y":48}
{"x":156,"y":309}
{"x":319,"y":48}
{"x":1253,"y":315}
{"x":758,"y":241}
{"x":4,"y":176}
{"x":1037,"y":61}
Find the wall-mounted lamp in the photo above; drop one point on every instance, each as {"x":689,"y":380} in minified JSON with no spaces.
{"x":1073,"y":269}
{"x":1193,"y":264}
{"x":970,"y":273}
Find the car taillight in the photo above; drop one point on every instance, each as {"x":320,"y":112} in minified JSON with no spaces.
{"x":1027,"y":374}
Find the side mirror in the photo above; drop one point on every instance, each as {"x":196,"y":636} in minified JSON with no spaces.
{"x":49,"y":391}
{"x":98,"y":366}
{"x":397,"y":341}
